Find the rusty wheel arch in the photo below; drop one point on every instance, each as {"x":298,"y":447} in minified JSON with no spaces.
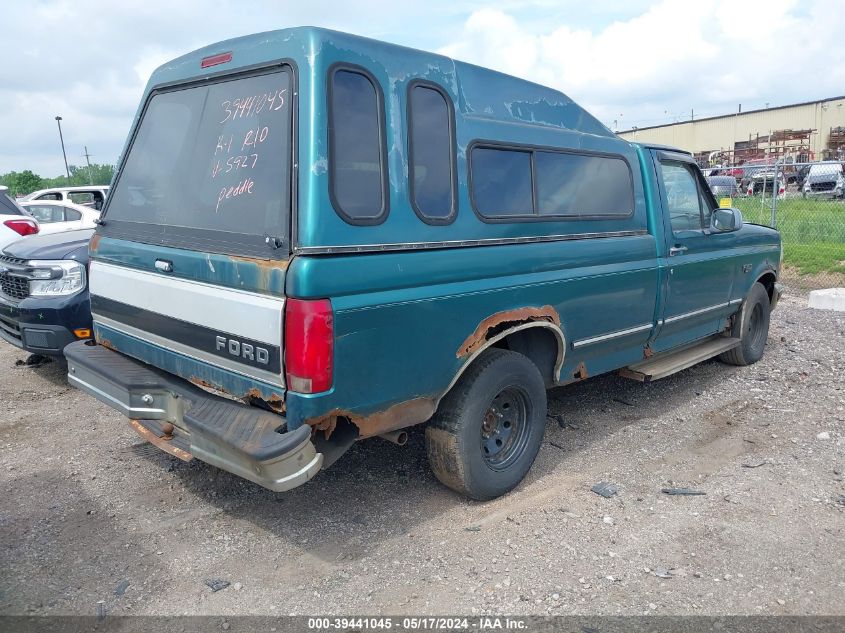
{"x":552,"y":325}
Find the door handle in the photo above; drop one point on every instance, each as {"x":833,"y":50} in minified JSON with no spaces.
{"x":677,"y":250}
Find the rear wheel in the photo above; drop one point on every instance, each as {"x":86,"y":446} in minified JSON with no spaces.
{"x":751,"y":326}
{"x":487,"y":430}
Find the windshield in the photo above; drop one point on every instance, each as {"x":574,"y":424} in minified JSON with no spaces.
{"x":208,"y":162}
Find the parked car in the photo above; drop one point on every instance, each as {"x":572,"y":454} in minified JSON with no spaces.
{"x":723,"y":186}
{"x":55,"y":217}
{"x":726,"y":170}
{"x":766,"y":180}
{"x":93,"y":196}
{"x":15,"y":223}
{"x":824,"y":179}
{"x":336,"y":289}
{"x":44,"y":292}
{"x":752,"y":168}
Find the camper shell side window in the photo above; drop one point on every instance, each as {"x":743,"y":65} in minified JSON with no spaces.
{"x":357,"y":146}
{"x":432,"y":177}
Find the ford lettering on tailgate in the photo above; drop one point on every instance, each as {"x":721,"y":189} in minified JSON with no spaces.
{"x":246,"y":351}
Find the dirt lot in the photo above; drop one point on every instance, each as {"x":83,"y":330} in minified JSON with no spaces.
{"x":92,"y":520}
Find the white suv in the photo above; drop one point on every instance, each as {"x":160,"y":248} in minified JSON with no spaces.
{"x":93,"y":196}
{"x":825,"y":179}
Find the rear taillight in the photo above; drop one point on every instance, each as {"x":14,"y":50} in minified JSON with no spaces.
{"x":309,"y":345}
{"x":22,"y":227}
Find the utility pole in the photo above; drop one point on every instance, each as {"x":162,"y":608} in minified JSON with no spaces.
{"x":88,"y":160}
{"x":61,"y":138}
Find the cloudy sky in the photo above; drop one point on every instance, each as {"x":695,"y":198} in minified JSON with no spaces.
{"x":632,"y":63}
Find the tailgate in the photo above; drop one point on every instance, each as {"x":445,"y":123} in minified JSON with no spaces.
{"x":213,"y":335}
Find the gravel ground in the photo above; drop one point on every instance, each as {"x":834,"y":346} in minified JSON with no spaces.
{"x":92,"y":520}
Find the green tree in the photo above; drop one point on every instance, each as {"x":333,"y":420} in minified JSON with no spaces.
{"x":96,"y":174}
{"x":25,"y":182}
{"x":21,"y":183}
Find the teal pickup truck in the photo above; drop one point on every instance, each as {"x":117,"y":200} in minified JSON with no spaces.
{"x":314,"y":238}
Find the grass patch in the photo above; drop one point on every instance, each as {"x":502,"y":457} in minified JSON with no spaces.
{"x":812,"y":229}
{"x":813,"y":259}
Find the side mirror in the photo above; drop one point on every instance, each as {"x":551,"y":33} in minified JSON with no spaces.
{"x":725,"y":220}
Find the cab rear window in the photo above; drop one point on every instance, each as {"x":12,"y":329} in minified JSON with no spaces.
{"x":208,"y":163}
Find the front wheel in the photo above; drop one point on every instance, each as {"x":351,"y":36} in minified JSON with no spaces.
{"x":487,"y":430}
{"x":751,"y":326}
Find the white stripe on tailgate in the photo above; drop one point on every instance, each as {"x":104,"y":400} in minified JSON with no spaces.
{"x":231,"y":311}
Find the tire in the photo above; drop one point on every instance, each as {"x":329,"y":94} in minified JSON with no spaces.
{"x":751,"y":326}
{"x":487,"y":430}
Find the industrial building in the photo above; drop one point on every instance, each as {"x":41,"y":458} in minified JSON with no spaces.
{"x":801,"y":132}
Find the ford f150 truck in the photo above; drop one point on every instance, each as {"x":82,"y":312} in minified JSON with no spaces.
{"x":314,"y":238}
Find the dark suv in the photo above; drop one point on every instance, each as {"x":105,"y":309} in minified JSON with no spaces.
{"x":44,"y":292}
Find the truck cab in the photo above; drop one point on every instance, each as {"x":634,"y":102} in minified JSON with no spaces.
{"x":315,"y":238}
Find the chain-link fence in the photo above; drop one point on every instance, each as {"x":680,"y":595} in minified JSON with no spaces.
{"x":805,"y":202}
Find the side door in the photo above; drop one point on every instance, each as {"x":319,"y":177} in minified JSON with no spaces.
{"x":701,"y":268}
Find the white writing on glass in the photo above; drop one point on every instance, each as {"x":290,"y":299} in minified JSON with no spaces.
{"x":242,"y":188}
{"x":242,"y":107}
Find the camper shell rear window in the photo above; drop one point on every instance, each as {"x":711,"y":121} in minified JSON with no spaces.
{"x":209,"y":168}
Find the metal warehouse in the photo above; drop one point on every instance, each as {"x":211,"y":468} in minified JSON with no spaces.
{"x":814,"y":130}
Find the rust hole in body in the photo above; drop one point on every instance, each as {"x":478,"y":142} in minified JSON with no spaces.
{"x":326,"y":424}
{"x":501,"y":321}
{"x":580,"y":372}
{"x":275,"y":402}
{"x":199,"y":382}
{"x":398,"y":416}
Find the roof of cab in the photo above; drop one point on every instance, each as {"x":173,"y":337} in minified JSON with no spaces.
{"x":483,"y":93}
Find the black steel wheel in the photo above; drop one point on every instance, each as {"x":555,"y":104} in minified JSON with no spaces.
{"x":487,"y":430}
{"x":751,"y":326}
{"x":504,"y":430}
